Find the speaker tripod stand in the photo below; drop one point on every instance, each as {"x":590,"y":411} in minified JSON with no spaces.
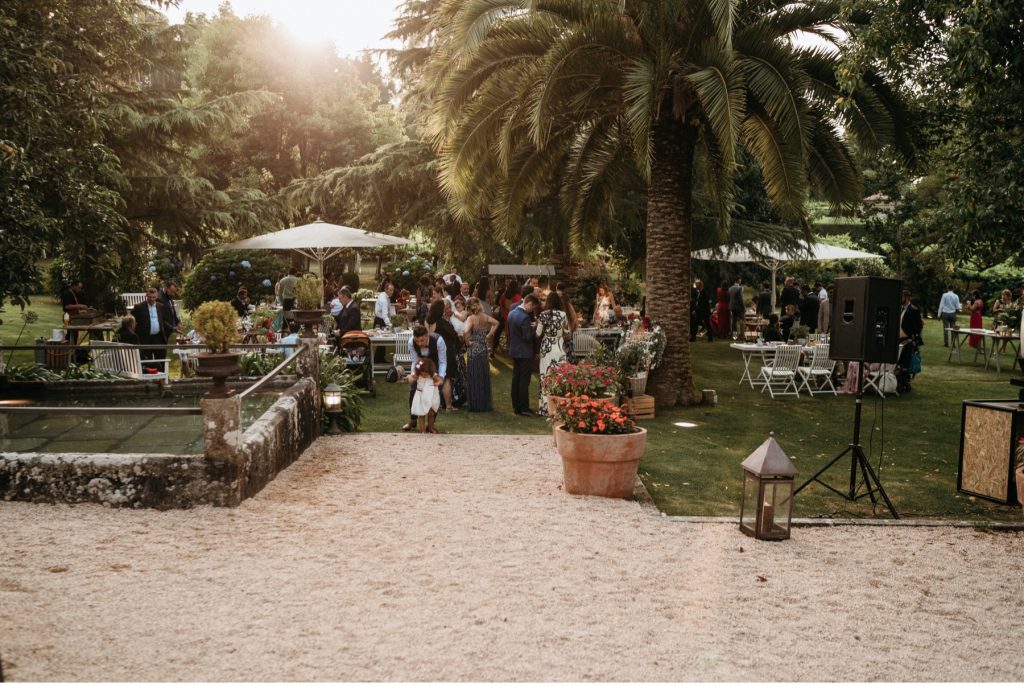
{"x":857,"y":460}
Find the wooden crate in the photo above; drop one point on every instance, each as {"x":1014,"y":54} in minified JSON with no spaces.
{"x":641,"y":407}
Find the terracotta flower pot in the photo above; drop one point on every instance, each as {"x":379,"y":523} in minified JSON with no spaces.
{"x":219,"y":366}
{"x":600,"y":464}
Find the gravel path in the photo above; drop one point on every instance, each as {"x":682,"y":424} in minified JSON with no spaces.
{"x":395,"y":557}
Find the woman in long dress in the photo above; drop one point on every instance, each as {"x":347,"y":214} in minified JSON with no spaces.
{"x":724,"y":316}
{"x":977,"y":310}
{"x":480,"y":329}
{"x":552,"y":328}
{"x":603,"y":306}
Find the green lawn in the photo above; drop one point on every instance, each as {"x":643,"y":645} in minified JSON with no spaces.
{"x":696,"y":471}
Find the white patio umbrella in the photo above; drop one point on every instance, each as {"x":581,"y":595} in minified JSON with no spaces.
{"x":318,"y":241}
{"x":774,"y":259}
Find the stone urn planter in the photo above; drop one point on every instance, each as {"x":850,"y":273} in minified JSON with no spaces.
{"x":307,"y":318}
{"x":218,"y":366}
{"x":600,"y":464}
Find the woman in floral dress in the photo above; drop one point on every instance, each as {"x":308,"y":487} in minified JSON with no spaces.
{"x":552,"y":328}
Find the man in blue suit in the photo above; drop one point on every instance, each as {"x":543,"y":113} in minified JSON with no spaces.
{"x":520,"y":347}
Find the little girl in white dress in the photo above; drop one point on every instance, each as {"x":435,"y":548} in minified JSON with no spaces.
{"x":427,"y":399}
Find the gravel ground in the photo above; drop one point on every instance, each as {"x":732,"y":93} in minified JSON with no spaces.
{"x":394,"y":558}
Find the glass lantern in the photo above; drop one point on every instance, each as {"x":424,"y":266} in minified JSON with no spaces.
{"x":766,"y":511}
{"x":332,"y":407}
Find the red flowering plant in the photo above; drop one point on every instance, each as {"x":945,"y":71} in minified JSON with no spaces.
{"x":586,"y":415}
{"x":566,"y":379}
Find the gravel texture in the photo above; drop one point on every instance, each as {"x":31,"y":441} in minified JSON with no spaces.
{"x":404,"y":557}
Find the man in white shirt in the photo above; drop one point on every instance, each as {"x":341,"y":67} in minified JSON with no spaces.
{"x":949,"y":306}
{"x":424,"y":344}
{"x":383,"y":309}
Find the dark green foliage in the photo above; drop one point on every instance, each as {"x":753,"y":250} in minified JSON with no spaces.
{"x":406,"y":272}
{"x":351,"y":280}
{"x":333,"y":371}
{"x":220,"y":273}
{"x":257,"y":363}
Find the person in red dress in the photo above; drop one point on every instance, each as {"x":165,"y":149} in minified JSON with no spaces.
{"x":977,"y":309}
{"x":723,"y":323}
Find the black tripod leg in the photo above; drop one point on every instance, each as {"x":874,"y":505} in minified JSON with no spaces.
{"x":817,"y":474}
{"x":885,"y":497}
{"x":861,"y":460}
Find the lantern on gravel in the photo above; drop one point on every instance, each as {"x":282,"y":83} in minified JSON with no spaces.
{"x":766,"y":511}
{"x":332,"y":407}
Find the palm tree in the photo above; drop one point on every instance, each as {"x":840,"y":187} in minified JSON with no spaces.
{"x":581,"y":94}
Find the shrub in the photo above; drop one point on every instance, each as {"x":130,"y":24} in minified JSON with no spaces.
{"x":219,"y":274}
{"x":333,"y":371}
{"x":351,"y":280}
{"x":406,"y":273}
{"x":217,"y":323}
{"x":257,"y":364}
{"x":308,"y":291}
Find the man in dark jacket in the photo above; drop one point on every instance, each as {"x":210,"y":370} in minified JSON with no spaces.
{"x":348,"y":318}
{"x":911,"y":324}
{"x":700,"y":310}
{"x":152,"y":326}
{"x":764,"y":300}
{"x":520,"y":348}
{"x":790,"y":295}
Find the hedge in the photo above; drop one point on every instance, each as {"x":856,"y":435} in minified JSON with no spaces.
{"x":219,"y":274}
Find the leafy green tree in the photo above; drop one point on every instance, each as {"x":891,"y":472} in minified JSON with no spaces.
{"x":965,"y":61}
{"x":527,"y":94}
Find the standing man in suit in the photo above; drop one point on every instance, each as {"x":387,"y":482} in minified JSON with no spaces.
{"x":764,"y":300}
{"x":700,"y":311}
{"x":521,"y":336}
{"x":736,"y":305}
{"x":152,"y":326}
{"x":347,"y":318}
{"x":167,"y":296}
{"x":911,"y":324}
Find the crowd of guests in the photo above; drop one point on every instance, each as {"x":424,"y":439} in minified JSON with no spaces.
{"x":806,"y":304}
{"x":1009,"y":302}
{"x":457,"y":325}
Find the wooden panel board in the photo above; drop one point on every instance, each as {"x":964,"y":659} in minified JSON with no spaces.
{"x":987,"y":436}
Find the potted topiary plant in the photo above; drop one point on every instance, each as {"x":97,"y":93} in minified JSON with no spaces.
{"x":634,"y":360}
{"x":799,"y":333}
{"x":216,"y":323}
{"x":600,"y":447}
{"x":307,"y":297}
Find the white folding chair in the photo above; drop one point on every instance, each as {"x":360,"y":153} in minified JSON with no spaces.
{"x":881,"y":381}
{"x":820,"y":369}
{"x":782,"y":373}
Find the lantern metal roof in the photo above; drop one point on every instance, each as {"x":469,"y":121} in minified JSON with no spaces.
{"x":769,"y":460}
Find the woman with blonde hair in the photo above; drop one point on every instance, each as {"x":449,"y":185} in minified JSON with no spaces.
{"x":480,"y":330}
{"x":604,"y":305}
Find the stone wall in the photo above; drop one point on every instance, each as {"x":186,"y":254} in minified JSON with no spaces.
{"x":271,"y":444}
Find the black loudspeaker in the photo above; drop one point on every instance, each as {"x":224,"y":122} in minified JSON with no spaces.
{"x":866,"y":319}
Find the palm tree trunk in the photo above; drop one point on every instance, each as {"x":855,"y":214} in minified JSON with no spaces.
{"x":669,"y":241}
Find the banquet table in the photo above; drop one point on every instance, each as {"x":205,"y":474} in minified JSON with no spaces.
{"x":992,"y":346}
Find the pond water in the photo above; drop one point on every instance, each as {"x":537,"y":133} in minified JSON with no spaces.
{"x":178,"y":434}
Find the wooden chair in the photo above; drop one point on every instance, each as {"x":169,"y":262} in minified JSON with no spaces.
{"x":782,"y":373}
{"x":820,"y":369}
{"x":124,"y":360}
